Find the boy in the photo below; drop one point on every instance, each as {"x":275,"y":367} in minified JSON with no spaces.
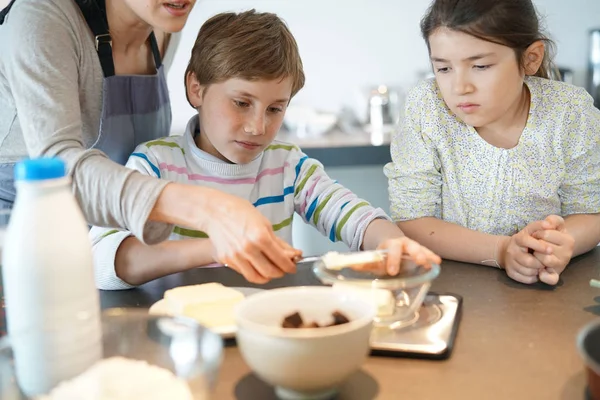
{"x":243,"y":72}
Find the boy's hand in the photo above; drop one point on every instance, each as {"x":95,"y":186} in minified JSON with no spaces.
{"x":403,"y":246}
{"x":515,"y":258}
{"x":554,"y":235}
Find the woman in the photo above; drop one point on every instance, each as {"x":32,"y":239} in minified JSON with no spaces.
{"x":73,"y":88}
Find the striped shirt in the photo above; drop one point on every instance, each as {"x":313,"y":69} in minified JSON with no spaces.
{"x":280,"y":181}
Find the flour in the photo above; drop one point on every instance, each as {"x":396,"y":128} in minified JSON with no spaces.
{"x":119,"y":378}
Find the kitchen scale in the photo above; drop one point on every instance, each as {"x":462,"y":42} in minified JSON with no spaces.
{"x":430,"y":334}
{"x":410,"y":321}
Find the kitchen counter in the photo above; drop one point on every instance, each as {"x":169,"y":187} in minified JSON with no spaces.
{"x":340,"y":149}
{"x":514,"y":341}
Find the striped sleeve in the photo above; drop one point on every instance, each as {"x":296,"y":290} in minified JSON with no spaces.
{"x":332,"y":209}
{"x":106,"y":241}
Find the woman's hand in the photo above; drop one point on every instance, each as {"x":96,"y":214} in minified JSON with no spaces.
{"x":241,"y":236}
{"x":244,"y":240}
{"x":259,"y":274}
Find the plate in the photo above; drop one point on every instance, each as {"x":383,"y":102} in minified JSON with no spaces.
{"x":226,"y":332}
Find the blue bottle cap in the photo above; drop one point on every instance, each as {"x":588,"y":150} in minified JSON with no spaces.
{"x":39,"y":169}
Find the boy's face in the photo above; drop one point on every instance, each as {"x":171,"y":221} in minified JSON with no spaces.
{"x":239,"y":118}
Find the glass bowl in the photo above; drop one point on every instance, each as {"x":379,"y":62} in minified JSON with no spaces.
{"x":397,"y":297}
{"x":179,"y":345}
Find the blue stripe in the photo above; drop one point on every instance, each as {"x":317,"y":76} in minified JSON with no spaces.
{"x":143,"y":156}
{"x":311,"y":209}
{"x":274,"y":199}
{"x":298,"y":167}
{"x":332,"y":233}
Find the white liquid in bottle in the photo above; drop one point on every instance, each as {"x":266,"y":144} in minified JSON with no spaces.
{"x":52,"y":305}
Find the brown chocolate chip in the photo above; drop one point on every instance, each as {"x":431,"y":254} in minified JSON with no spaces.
{"x":295,"y":321}
{"x":292,"y":321}
{"x":339,"y":318}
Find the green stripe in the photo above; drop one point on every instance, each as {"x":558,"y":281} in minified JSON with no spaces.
{"x":105,"y":234}
{"x":164,"y":143}
{"x":283,"y":224}
{"x":338,"y":231}
{"x":321,"y":206}
{"x":288,"y":147}
{"x":201,"y":235}
{"x":311,"y":171}
{"x":189,"y":232}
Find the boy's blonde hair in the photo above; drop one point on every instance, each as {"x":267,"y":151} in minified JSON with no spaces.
{"x":247,"y":45}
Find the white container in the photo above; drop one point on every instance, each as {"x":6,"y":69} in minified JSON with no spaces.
{"x":307,"y":363}
{"x":52,"y":305}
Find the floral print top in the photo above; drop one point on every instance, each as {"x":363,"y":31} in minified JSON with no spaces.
{"x":442,"y":168}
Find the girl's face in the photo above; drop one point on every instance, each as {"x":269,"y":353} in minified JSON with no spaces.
{"x":166,"y":16}
{"x":481,"y":82}
{"x":239,"y":118}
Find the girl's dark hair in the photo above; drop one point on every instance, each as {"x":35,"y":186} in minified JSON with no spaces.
{"x":512,"y":23}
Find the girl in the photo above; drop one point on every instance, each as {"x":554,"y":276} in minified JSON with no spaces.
{"x":243,"y":72}
{"x":496,"y":163}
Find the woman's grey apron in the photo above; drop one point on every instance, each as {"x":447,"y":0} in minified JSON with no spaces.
{"x":135,"y":108}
